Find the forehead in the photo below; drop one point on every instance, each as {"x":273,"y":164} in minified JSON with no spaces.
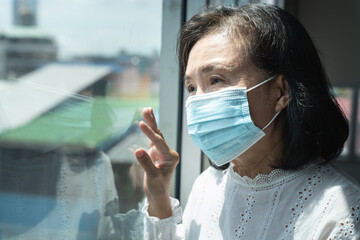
{"x":215,"y":50}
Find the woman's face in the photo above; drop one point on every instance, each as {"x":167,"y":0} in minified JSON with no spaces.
{"x":215,"y":63}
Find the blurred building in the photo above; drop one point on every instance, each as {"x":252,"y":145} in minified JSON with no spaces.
{"x":141,"y":75}
{"x":138,"y":76}
{"x":24,"y":47}
{"x":25,"y":12}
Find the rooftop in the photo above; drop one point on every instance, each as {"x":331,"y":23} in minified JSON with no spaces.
{"x":37,"y":92}
{"x":25,"y":32}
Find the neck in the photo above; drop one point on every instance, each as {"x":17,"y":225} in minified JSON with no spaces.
{"x":259,"y":160}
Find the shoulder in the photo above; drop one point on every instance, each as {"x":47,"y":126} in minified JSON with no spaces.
{"x":347,"y":189}
{"x":209,"y":177}
{"x":208,"y":181}
{"x":337,"y":183}
{"x":347,"y":204}
{"x":340,"y":200}
{"x":329,"y":177}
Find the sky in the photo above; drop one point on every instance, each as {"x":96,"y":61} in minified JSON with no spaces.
{"x":102,"y":27}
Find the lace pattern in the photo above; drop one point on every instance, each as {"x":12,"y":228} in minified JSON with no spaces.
{"x":216,"y":212}
{"x":64,"y":202}
{"x":246,"y":216}
{"x":273,"y":204}
{"x":266,"y":181}
{"x":303,"y":199}
{"x":348,"y":227}
{"x":46,"y":199}
{"x":325,"y":210}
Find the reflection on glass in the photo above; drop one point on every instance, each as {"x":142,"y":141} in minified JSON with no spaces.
{"x":69,"y":119}
{"x":344,"y":98}
{"x":58,"y":151}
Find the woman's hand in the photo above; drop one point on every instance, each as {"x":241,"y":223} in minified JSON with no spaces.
{"x":159,"y":163}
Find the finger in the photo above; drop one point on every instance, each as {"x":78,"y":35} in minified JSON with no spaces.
{"x":156,"y":126}
{"x":150,"y":119}
{"x":145,"y":161}
{"x":155,"y":138}
{"x":151,"y":110}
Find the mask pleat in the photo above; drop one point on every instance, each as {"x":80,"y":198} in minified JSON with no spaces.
{"x":217,"y":109}
{"x":214,"y":125}
{"x":225,"y":136}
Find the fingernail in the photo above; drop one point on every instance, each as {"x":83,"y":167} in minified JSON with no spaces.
{"x":139,"y":154}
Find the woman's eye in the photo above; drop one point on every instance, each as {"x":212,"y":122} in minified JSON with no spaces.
{"x":191,"y":88}
{"x":216,"y":80}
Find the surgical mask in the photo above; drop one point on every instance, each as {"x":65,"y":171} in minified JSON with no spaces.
{"x":220,"y":123}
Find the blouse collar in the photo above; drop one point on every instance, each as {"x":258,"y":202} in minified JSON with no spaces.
{"x":264,"y":181}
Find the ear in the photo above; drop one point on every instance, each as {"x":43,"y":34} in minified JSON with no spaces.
{"x":283,"y":93}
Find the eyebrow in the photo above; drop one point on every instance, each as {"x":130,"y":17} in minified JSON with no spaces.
{"x":212,"y":68}
{"x":216,"y":67}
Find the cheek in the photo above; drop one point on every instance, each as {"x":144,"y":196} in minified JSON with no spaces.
{"x":261,"y":109}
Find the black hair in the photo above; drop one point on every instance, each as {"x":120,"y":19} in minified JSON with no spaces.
{"x":276,"y":42}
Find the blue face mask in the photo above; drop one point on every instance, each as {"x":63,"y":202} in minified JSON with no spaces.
{"x":220,"y":123}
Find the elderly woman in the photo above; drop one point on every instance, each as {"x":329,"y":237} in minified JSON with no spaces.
{"x":262,"y":109}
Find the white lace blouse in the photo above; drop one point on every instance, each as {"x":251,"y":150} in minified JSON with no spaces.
{"x":314,"y":202}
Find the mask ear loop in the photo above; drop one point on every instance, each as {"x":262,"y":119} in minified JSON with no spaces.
{"x":263,"y":82}
{"x":271,"y":121}
{"x":257,"y":85}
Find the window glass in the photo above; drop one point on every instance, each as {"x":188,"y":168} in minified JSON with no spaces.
{"x":74,"y":77}
{"x":344,"y":98}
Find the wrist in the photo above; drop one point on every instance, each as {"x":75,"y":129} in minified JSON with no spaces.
{"x":160,"y":207}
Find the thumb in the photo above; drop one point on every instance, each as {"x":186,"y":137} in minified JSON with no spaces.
{"x":145,"y":161}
